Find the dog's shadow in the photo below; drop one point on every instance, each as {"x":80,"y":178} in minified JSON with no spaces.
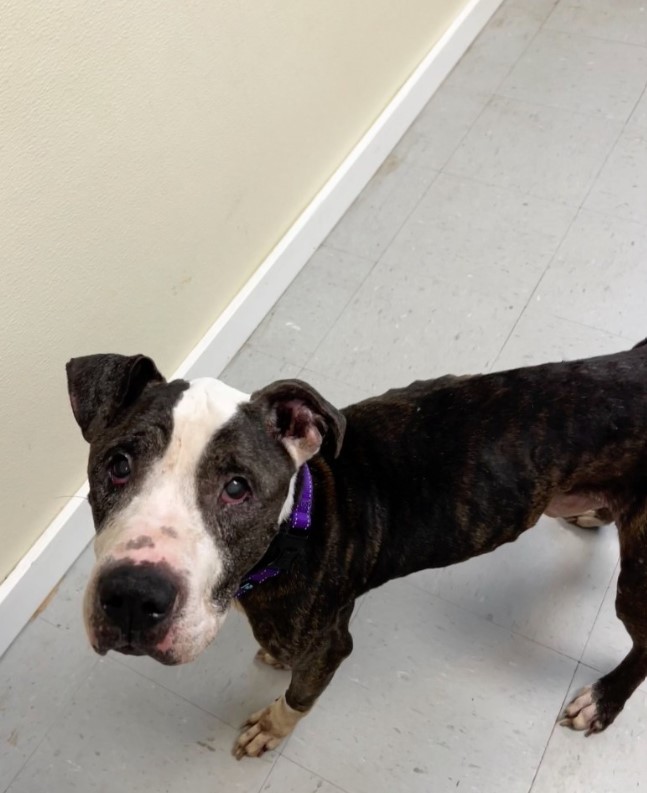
{"x":547,"y":586}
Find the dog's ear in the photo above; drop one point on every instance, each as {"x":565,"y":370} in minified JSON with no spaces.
{"x":101,"y":386}
{"x":301,"y":418}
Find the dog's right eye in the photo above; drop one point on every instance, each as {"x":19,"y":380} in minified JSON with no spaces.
{"x":235,"y":491}
{"x":120,"y":469}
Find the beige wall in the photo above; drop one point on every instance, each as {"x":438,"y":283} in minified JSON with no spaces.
{"x":151,"y":154}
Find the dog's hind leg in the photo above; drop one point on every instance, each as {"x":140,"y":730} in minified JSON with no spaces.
{"x":263,"y":657}
{"x":591,"y":519}
{"x":596,"y":706}
{"x":585,"y":510}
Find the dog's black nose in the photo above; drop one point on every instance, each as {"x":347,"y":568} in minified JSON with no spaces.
{"x":136,"y":598}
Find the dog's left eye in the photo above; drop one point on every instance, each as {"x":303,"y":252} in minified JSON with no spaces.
{"x":235,"y":491}
{"x":120,"y":469}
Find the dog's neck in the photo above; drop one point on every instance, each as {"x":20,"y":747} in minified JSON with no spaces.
{"x":289,"y":543}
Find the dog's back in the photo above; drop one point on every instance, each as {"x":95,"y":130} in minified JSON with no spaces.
{"x":463,"y":464}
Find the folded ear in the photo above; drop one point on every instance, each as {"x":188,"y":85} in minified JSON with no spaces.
{"x":301,"y":418}
{"x":101,"y":386}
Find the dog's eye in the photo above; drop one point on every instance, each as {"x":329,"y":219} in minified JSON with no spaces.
{"x":120,"y":469}
{"x":235,"y":491}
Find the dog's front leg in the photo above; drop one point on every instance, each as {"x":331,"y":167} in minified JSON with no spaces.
{"x":266,"y":728}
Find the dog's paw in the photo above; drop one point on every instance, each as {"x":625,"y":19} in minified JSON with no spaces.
{"x":592,"y":519}
{"x":583,"y":713}
{"x":258,"y":736}
{"x":264,"y":657}
{"x":265,"y":729}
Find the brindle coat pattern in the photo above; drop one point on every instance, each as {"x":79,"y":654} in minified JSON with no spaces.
{"x":443,"y":470}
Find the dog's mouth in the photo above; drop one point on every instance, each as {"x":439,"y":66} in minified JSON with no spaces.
{"x":176,"y":642}
{"x":131,"y":649}
{"x":163,"y":656}
{"x":158,"y":643}
{"x":168,"y":621}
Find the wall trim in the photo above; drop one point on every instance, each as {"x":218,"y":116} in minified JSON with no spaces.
{"x":40,"y":570}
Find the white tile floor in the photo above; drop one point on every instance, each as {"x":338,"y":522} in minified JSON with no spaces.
{"x":508,"y":227}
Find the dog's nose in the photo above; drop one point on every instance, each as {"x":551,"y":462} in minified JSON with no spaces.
{"x":136,"y":598}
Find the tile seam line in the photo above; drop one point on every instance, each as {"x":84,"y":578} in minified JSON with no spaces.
{"x":338,"y":314}
{"x":530,"y":41}
{"x":340,"y":248}
{"x":269,"y":773}
{"x":492,"y":94}
{"x":269,"y":355}
{"x":128,"y":668}
{"x":411,"y":165}
{"x":588,"y":35}
{"x":370,"y":271}
{"x":43,"y":618}
{"x":568,"y":688}
{"x":576,"y":216}
{"x":612,"y":148}
{"x":431,"y":279}
{"x":597,"y":616}
{"x":308,"y":370}
{"x":511,"y":631}
{"x":511,"y":189}
{"x":555,"y":726}
{"x":445,"y":279}
{"x":580,"y":324}
{"x":367,"y":259}
{"x":387,"y":247}
{"x":533,"y":292}
{"x":260,"y":351}
{"x":552,"y":730}
{"x":570,"y":225}
{"x":609,"y":215}
{"x":436,"y":171}
{"x":311,"y":771}
{"x":557,"y":316}
{"x":60,"y":714}
{"x":547,"y":106}
{"x":460,"y":89}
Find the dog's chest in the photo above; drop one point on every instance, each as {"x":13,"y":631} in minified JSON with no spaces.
{"x":286,"y":625}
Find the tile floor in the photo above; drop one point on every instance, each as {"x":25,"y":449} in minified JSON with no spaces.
{"x":508,"y":227}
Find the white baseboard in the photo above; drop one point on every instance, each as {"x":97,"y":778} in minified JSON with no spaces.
{"x":69,"y":533}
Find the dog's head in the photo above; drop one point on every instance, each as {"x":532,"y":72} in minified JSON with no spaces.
{"x":189,"y":482}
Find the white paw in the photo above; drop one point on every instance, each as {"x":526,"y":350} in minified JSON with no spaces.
{"x":588,"y":520}
{"x":582,"y":713}
{"x":258,"y":737}
{"x":265,"y":729}
{"x":265,"y":658}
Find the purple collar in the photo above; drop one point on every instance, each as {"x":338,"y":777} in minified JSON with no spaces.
{"x":289,"y":542}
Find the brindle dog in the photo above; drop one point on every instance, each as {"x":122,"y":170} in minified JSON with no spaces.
{"x":190,"y":483}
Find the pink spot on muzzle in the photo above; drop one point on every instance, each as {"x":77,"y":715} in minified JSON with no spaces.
{"x":167,"y":643}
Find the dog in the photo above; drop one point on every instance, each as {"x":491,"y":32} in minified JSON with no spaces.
{"x":203,"y":496}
